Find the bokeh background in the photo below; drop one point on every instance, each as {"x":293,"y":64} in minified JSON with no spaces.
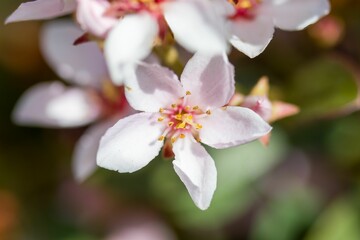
{"x":304,"y":185}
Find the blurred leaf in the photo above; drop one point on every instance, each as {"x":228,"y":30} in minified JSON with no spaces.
{"x":343,"y":141}
{"x":322,"y":87}
{"x":338,"y":222}
{"x":237,"y":169}
{"x":292,"y":210}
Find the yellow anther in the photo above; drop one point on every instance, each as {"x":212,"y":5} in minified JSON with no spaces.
{"x":173,"y":139}
{"x":170,"y":124}
{"x":187,"y":108}
{"x":188,"y":93}
{"x":160,"y":119}
{"x":178,"y":117}
{"x":182,"y":135}
{"x":208,"y":112}
{"x":244,"y":4}
{"x":173,"y":105}
{"x":198,"y":126}
{"x":189,"y":117}
{"x":161,"y":110}
{"x":181,"y":125}
{"x":161,"y":138}
{"x":195,"y":107}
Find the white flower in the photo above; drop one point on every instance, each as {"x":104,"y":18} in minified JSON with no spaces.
{"x":194,"y":23}
{"x":55,"y":105}
{"x":252,"y":22}
{"x":181,"y":114}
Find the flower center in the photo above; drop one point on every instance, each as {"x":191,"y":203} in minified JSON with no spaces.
{"x":112,"y":98}
{"x":244,"y":8}
{"x":180,"y":119}
{"x":120,"y":8}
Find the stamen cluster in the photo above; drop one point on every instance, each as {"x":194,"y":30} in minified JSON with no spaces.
{"x":180,"y":119}
{"x":244,"y":8}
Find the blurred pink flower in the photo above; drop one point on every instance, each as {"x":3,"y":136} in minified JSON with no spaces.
{"x":252,"y":22}
{"x":143,"y":23}
{"x":41,"y":9}
{"x":181,"y":114}
{"x":54,"y":104}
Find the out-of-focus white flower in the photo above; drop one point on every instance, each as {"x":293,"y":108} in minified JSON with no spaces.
{"x":54,"y":104}
{"x":41,"y":9}
{"x":180,"y":115}
{"x":195,"y":25}
{"x":252,"y":22}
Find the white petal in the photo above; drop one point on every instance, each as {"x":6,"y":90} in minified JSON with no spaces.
{"x":91,"y":16}
{"x":131,"y":143}
{"x":209,"y":79}
{"x":232,"y":126}
{"x":41,"y":9}
{"x":154,"y":87}
{"x":296,"y":14}
{"x":129,"y":41}
{"x":197,"y":26}
{"x":84,"y":158}
{"x":83,"y":64}
{"x":196,"y":170}
{"x":252,"y":36}
{"x":54,"y":105}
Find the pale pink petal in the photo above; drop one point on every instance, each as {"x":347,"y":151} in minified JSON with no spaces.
{"x":196,"y":170}
{"x":41,"y":9}
{"x":84,"y":157}
{"x":197,"y":26}
{"x":128,"y":42}
{"x":252,"y":36}
{"x":154,"y":87}
{"x":90,"y":15}
{"x":55,"y":105}
{"x":131,"y":143}
{"x":232,"y":126}
{"x":210,"y":81}
{"x":259,"y":104}
{"x":295,"y":14}
{"x":83,"y":64}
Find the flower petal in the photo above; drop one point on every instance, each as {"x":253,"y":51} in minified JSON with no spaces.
{"x":83,"y":64}
{"x":196,"y":170}
{"x":252,"y":36}
{"x":209,"y":79}
{"x":202,"y":30}
{"x":232,"y":126}
{"x":84,"y":158}
{"x":41,"y":9}
{"x":154,"y":87}
{"x":54,"y":105}
{"x":131,"y":143}
{"x":296,"y":14}
{"x":91,"y":16}
{"x":128,"y":42}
